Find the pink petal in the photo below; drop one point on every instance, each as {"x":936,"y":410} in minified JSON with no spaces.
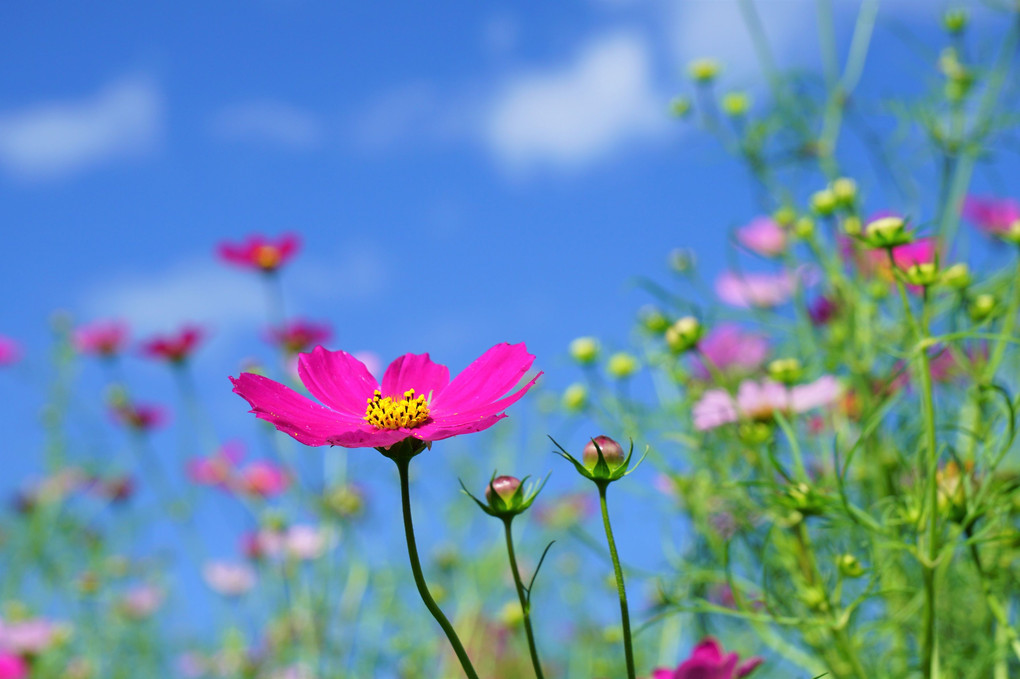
{"x":437,"y":431}
{"x":749,"y":666}
{"x":481,"y":409}
{"x":415,"y":371}
{"x":291,"y":413}
{"x":366,"y":436}
{"x":490,"y":376}
{"x":708,"y":649}
{"x":337,"y":379}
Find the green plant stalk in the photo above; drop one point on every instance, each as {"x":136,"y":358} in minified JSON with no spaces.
{"x":930,"y":657}
{"x":403,"y":463}
{"x":628,"y":648}
{"x":525,"y":599}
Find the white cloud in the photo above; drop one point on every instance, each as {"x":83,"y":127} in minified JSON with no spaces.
{"x":269,"y":121}
{"x":53,"y":139}
{"x":574,"y":114}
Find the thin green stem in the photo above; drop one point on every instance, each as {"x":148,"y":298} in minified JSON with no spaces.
{"x":624,"y":613}
{"x":525,"y":598}
{"x":930,"y":657}
{"x":403,"y":463}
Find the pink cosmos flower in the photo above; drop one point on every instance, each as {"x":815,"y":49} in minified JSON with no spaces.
{"x":10,"y":351}
{"x":102,"y":338}
{"x":12,"y":667}
{"x":416,"y":399}
{"x":216,"y":469}
{"x":141,"y":601}
{"x":228,"y":579}
{"x":730,"y":348}
{"x":759,"y":400}
{"x":297,"y":336}
{"x":762,"y":290}
{"x":140,"y":416}
{"x":174,"y":348}
{"x":708,"y":661}
{"x":261,"y":479}
{"x":992,"y":215}
{"x":305,"y":542}
{"x":27,"y":637}
{"x":259,"y":252}
{"x":763,"y":236}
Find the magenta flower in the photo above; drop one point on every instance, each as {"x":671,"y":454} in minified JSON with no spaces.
{"x":12,"y":667}
{"x":10,"y":351}
{"x":760,"y":400}
{"x":140,"y":416}
{"x":762,"y":290}
{"x":297,"y":336}
{"x":174,"y":348}
{"x":260,"y":253}
{"x":994,"y":216}
{"x":416,"y":399}
{"x":729,"y":348}
{"x":102,"y":338}
{"x":763,"y":236}
{"x":708,"y":661}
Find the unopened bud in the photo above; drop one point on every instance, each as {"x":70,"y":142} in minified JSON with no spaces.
{"x":924,"y":274}
{"x":957,"y":276}
{"x":704,"y":70}
{"x":823,"y":202}
{"x":584,"y":350}
{"x":684,"y":334}
{"x":852,"y":225}
{"x":804,"y":227}
{"x":786,"y":370}
{"x":681,"y":260}
{"x":736,"y":104}
{"x":955,"y":20}
{"x":982,"y":307}
{"x":612,"y":453}
{"x":622,"y":365}
{"x":680,"y":107}
{"x":849,"y":566}
{"x":784,"y":216}
{"x":503,"y":487}
{"x":845,"y":191}
{"x":887,"y":232}
{"x":575,"y":397}
{"x":653,"y":319}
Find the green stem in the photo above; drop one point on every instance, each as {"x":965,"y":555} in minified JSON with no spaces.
{"x":403,"y":463}
{"x":525,"y":598}
{"x":930,"y":659}
{"x":624,"y":613}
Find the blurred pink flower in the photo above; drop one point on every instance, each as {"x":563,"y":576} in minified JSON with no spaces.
{"x":10,"y":351}
{"x":762,"y":235}
{"x":416,"y":399}
{"x":228,"y":579}
{"x":299,"y":335}
{"x":101,"y":338}
{"x":260,"y":253}
{"x":707,"y":661}
{"x":12,"y":667}
{"x":262,"y":479}
{"x":175,"y":348}
{"x":822,"y":310}
{"x":759,"y":400}
{"x":218,"y":468}
{"x":114,"y":488}
{"x":992,"y":215}
{"x":762,"y":290}
{"x":729,"y":348}
{"x":140,"y":416}
{"x":141,"y":601}
{"x":263,"y":544}
{"x":305,"y":542}
{"x":28,"y":637}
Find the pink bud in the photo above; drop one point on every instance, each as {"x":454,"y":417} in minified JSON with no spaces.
{"x":504,"y":487}
{"x":612,"y":452}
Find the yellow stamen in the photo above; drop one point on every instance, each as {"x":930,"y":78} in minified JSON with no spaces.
{"x":407,"y":412}
{"x":267,"y":256}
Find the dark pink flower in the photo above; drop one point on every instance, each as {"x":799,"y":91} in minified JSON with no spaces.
{"x":763,"y":236}
{"x":12,"y":667}
{"x":708,"y":661}
{"x":259,"y":252}
{"x":262,"y":479}
{"x":994,"y":216}
{"x":10,"y":351}
{"x":297,"y":336}
{"x":730,"y":349}
{"x":416,"y":399}
{"x":218,"y":468}
{"x":140,"y":416}
{"x":102,"y":338}
{"x":174,"y":348}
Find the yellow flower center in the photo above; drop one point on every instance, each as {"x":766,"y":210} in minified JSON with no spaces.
{"x":387,"y":413}
{"x":267,"y":256}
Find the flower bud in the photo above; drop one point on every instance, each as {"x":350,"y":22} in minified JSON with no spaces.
{"x":575,"y":397}
{"x":1012,"y":234}
{"x":681,"y":260}
{"x":852,"y":225}
{"x":814,"y":598}
{"x":804,"y":227}
{"x":584,"y":350}
{"x":736,"y":104}
{"x":754,"y":433}
{"x":704,"y":70}
{"x":955,"y":20}
{"x":786,"y":370}
{"x":612,"y":453}
{"x":849,"y":566}
{"x":511,"y":614}
{"x":501,"y":491}
{"x":957,"y":276}
{"x":684,"y":334}
{"x":653,"y":319}
{"x":622,"y":365}
{"x":887,"y":232}
{"x":845,"y":191}
{"x":924,"y":274}
{"x":982,"y":307}
{"x":823,"y":202}
{"x":784,"y":216}
{"x":680,"y":107}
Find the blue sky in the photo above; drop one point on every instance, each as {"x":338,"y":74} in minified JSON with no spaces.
{"x":461,"y":173}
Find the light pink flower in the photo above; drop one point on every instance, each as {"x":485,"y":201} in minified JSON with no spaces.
{"x":262,"y":479}
{"x":762,"y":290}
{"x":992,"y":215}
{"x":260,"y":253}
{"x":216,"y":469}
{"x":229,"y":579}
{"x":27,"y":637}
{"x":10,"y":351}
{"x":416,"y":399}
{"x":763,"y":236}
{"x":760,"y":400}
{"x":12,"y":667}
{"x":142,"y":601}
{"x":306,"y":542}
{"x":101,"y":338}
{"x":707,"y":661}
{"x":730,"y":349}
